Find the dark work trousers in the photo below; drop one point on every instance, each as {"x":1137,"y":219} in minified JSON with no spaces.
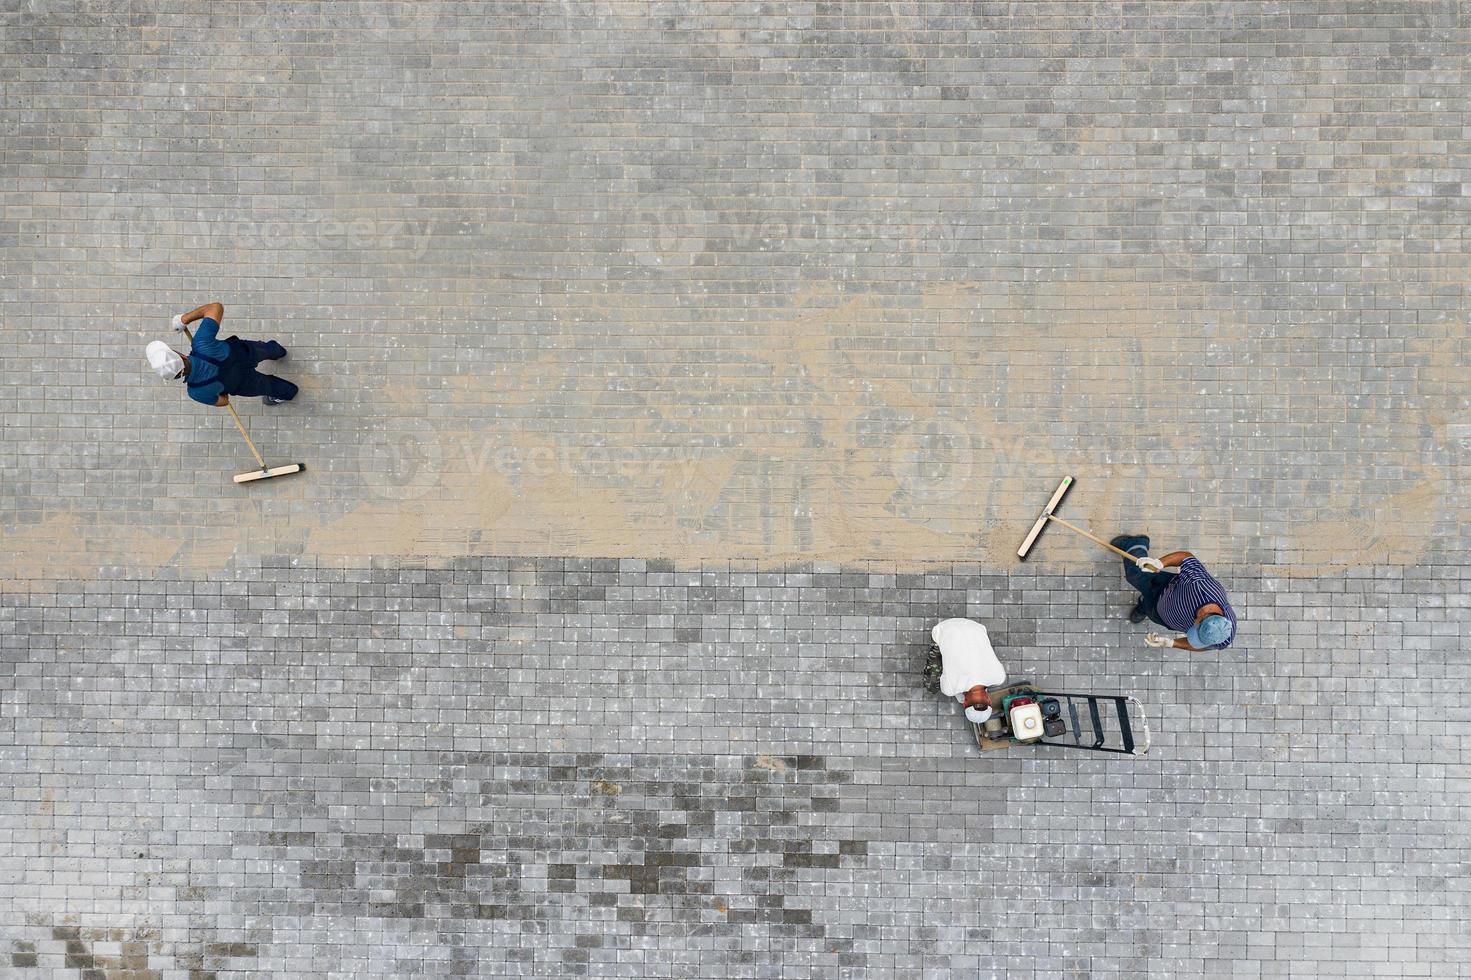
{"x":239,"y":374}
{"x":1151,"y":585}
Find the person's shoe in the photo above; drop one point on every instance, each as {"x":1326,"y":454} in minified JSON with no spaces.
{"x":268,"y":400}
{"x":1136,"y":615}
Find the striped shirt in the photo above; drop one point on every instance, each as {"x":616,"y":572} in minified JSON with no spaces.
{"x":1192,"y":588}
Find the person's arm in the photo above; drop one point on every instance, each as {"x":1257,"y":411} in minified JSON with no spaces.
{"x":1175,"y":559}
{"x":214,"y":311}
{"x":219,"y":401}
{"x":206,"y":335}
{"x":1177,"y":642}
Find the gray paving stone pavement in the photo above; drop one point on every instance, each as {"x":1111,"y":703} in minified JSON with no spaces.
{"x":525,"y":767}
{"x":668,"y":368}
{"x":712,"y":280}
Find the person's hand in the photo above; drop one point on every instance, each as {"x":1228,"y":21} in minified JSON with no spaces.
{"x":178,"y":323}
{"x":1147,"y":564}
{"x":224,"y":400}
{"x":1155,"y":640}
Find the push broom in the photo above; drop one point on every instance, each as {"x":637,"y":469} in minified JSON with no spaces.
{"x":1048,"y":515}
{"x":265,"y":472}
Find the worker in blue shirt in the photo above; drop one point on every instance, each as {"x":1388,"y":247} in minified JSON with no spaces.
{"x":215,"y":369}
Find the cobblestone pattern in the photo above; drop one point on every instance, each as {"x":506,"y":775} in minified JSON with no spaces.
{"x":698,"y":280}
{"x":623,"y":768}
{"x":709,"y":280}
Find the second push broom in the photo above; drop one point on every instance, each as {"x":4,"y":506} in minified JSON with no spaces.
{"x":1048,"y":515}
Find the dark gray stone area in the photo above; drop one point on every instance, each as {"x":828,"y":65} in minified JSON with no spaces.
{"x":564,"y":767}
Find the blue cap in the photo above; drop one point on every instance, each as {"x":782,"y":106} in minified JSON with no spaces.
{"x":1209,"y":632}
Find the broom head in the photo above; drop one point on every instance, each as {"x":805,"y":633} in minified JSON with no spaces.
{"x":1041,"y":525}
{"x":266,"y":474}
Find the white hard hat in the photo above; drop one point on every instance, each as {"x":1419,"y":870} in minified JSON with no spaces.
{"x":977,"y":715}
{"x":164,"y":360}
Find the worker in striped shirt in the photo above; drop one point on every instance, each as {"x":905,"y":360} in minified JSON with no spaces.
{"x":1178,"y":593}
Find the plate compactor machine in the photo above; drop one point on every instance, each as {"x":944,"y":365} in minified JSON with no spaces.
{"x":962,"y":660}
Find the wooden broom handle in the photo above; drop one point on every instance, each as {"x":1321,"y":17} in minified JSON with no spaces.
{"x":236,"y":416}
{"x":256,"y":452}
{"x":1118,"y":551}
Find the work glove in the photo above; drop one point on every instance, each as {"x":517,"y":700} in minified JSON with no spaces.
{"x":1155,"y":640}
{"x":178,"y":323}
{"x":1147,"y":564}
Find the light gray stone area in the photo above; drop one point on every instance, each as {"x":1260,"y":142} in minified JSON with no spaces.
{"x":627,"y":768}
{"x":710,"y":280}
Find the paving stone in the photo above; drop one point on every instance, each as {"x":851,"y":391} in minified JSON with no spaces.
{"x":669,"y":367}
{"x":696,"y":280}
{"x":385,"y":795}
